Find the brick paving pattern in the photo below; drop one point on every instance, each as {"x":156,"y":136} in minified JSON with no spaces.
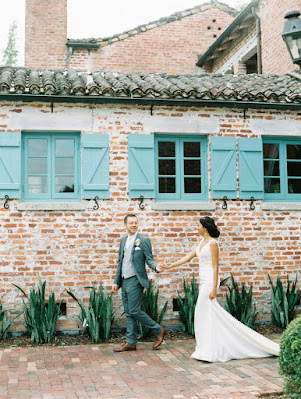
{"x":95,"y":371}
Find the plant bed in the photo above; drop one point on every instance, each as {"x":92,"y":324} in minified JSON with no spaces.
{"x":83,"y":339}
{"x":71,"y":340}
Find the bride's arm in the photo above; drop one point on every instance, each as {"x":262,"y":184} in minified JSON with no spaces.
{"x":215,"y":256}
{"x":183,"y":260}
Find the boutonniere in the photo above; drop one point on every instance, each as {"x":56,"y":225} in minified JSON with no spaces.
{"x":137,"y":244}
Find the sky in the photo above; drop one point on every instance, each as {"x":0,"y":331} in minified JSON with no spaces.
{"x":98,"y":18}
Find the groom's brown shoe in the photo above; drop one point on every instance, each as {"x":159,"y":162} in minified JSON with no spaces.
{"x":159,"y":339}
{"x":125,"y":347}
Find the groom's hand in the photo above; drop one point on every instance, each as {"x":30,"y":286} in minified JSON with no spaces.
{"x":115,"y":288}
{"x":159,"y":268}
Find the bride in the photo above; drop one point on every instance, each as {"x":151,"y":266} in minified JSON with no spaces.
{"x":219,"y":336}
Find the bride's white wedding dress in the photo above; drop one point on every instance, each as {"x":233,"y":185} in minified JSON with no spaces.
{"x":219,"y":336}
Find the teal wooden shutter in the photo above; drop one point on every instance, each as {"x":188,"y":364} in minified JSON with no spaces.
{"x":95,"y":166}
{"x":10,"y":165}
{"x":223,"y":167}
{"x":141,"y":165}
{"x":250,"y":168}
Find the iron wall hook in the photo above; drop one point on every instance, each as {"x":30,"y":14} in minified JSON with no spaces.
{"x":225,"y":206}
{"x":96,"y":206}
{"x":6,"y":204}
{"x":141,"y":206}
{"x":252,"y":206}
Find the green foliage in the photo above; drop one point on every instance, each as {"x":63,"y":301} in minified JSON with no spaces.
{"x":98,"y":317}
{"x":5,"y":323}
{"x":149,"y":305}
{"x":239,"y":304}
{"x":10,"y":53}
{"x":284,"y":303}
{"x":290,"y":359}
{"x":40,"y":316}
{"x":187,"y":305}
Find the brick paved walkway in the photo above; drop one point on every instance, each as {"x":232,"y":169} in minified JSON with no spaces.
{"x":94,"y":371}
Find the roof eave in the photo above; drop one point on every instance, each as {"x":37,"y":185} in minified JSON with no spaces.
{"x":227,"y":32}
{"x":150,"y":101}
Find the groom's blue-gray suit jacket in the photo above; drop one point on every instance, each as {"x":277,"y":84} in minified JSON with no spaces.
{"x":139,"y":258}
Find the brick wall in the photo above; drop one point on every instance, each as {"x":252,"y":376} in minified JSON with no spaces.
{"x":236,"y":49}
{"x":171,"y":48}
{"x":73,"y":249}
{"x":275,"y":56}
{"x":45,"y":34}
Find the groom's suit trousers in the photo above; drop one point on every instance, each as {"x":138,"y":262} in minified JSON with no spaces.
{"x":132,"y":292}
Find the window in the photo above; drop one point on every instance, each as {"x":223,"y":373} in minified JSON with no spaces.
{"x":282,"y":169}
{"x":180,"y":167}
{"x":51,"y":169}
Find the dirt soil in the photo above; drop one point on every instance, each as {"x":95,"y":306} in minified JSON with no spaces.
{"x":69,"y":340}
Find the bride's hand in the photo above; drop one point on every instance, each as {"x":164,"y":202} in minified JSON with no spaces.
{"x":212,"y":294}
{"x":168,"y":266}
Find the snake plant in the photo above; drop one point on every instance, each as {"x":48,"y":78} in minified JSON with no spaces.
{"x":187,"y":305}
{"x":240,"y":304}
{"x":284,"y":302}
{"x":98,"y":317}
{"x":149,"y":305}
{"x":41,"y":316}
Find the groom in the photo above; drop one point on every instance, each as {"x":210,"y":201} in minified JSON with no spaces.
{"x":131,"y":276}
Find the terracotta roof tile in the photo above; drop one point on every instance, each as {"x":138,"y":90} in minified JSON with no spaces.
{"x":249,"y":88}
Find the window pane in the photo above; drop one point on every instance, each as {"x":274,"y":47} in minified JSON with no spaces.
{"x":37,"y":184}
{"x":271,"y":185}
{"x":293,"y":151}
{"x":167,"y":185}
{"x":64,"y":148}
{"x":192,"y":185}
{"x":166,"y":149}
{"x":271,"y":151}
{"x":37,"y":147}
{"x":294,"y":168}
{"x":37,"y":166}
{"x":167,"y":167}
{"x":271,"y":168}
{"x":192,"y":167}
{"x":294,"y":186}
{"x":192,"y":149}
{"x":64,"y":184}
{"x":64,"y":166}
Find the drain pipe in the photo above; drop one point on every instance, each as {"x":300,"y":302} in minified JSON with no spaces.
{"x":258,"y":34}
{"x":70,"y":51}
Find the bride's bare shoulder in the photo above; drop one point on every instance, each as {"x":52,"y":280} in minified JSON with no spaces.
{"x":214,"y":244}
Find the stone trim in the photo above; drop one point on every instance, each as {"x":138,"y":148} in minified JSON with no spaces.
{"x":183,"y":206}
{"x":281,"y":206}
{"x":51,"y":206}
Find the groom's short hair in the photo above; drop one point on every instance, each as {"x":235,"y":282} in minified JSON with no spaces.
{"x":129,"y":215}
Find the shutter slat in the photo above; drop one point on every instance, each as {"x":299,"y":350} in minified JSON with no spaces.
{"x":250,"y":168}
{"x":95,"y":167}
{"x":223,"y":167}
{"x":10,"y":165}
{"x":141,"y":165}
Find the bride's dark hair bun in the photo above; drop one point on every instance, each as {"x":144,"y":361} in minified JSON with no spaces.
{"x":210,"y":225}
